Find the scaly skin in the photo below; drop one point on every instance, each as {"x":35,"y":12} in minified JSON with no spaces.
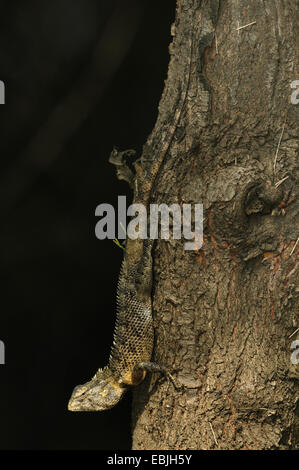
{"x":133,"y":337}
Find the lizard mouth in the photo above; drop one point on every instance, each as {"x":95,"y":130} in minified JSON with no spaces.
{"x":71,"y":406}
{"x":83,"y":404}
{"x":79,"y":406}
{"x":77,"y":399}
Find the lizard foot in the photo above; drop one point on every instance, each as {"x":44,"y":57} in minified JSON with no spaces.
{"x":153,"y":367}
{"x":118,"y":159}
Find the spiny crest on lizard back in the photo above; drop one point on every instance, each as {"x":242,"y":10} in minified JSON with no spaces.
{"x":101,"y":393}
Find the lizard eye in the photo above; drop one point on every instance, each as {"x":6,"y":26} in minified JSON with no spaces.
{"x":80,"y":391}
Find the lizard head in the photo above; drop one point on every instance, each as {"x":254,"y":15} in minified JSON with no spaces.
{"x":101,"y":393}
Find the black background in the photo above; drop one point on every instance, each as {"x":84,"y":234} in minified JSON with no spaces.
{"x":58,"y":281}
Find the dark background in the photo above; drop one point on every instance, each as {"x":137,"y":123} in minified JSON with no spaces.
{"x":80,"y":76}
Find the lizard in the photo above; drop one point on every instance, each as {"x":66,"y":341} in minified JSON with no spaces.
{"x":133,"y":340}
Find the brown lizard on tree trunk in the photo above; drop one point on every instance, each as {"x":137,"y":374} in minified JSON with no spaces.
{"x":134,"y":333}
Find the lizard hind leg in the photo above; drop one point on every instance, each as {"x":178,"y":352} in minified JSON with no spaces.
{"x":153,"y":367}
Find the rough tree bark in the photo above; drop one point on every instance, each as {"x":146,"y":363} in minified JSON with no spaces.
{"x":224,"y":314}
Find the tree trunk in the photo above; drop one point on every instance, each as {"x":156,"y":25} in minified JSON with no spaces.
{"x":224,"y":314}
